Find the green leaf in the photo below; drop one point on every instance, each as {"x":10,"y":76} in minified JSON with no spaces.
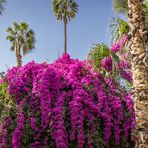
{"x":98,"y":53}
{"x":115,"y":57}
{"x":119,"y":27}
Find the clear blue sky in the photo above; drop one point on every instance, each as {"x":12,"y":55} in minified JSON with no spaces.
{"x":91,"y":25}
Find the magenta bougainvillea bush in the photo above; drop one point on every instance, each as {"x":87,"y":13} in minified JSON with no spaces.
{"x":114,"y":61}
{"x":64,"y":105}
{"x":123,"y":65}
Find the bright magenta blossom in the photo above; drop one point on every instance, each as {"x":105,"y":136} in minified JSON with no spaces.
{"x":119,"y":43}
{"x":107,"y":63}
{"x":1,"y":81}
{"x":61,"y":105}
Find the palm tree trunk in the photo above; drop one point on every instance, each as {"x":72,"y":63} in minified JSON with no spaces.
{"x":65,"y":35}
{"x":18,"y":57}
{"x":139,"y":60}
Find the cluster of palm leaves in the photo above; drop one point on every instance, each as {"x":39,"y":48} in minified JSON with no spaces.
{"x":118,"y":27}
{"x":121,"y":6}
{"x":99,"y":52}
{"x":22,"y":38}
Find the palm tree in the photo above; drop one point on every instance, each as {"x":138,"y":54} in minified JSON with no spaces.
{"x":139,"y":61}
{"x":121,"y":6}
{"x":21,"y":38}
{"x":137,"y":11}
{"x":65,"y":10}
{"x":2,"y":2}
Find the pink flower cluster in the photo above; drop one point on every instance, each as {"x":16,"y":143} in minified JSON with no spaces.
{"x":107,"y":63}
{"x":1,"y":81}
{"x":125,"y":70}
{"x":119,"y":44}
{"x":123,"y":65}
{"x":55,"y":101}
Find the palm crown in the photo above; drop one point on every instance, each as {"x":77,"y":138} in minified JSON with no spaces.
{"x":64,"y":11}
{"x":21,"y":37}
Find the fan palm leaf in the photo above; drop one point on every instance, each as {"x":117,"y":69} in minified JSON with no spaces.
{"x":121,"y":6}
{"x":65,"y":10}
{"x":21,"y":38}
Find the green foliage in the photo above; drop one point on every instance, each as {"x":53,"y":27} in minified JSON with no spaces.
{"x":7,"y":108}
{"x":27,"y":135}
{"x":119,"y":27}
{"x":7,"y":105}
{"x":98,"y":142}
{"x":97,"y":54}
{"x":145,"y":9}
{"x":21,"y":37}
{"x":2,"y":74}
{"x":114,"y":57}
{"x":120,"y":6}
{"x":64,"y":10}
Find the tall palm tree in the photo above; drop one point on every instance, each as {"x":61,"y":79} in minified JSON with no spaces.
{"x":2,"y":2}
{"x":137,"y":11}
{"x":121,"y":6}
{"x":21,"y":38}
{"x":65,"y":10}
{"x":139,"y":61}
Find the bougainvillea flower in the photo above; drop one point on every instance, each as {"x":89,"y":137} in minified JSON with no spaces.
{"x":107,"y":63}
{"x":119,"y":43}
{"x":65,"y":104}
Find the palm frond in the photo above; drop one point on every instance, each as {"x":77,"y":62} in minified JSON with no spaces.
{"x":145,"y":9}
{"x":121,"y":6}
{"x":21,"y":36}
{"x":29,"y":42}
{"x":64,"y":9}
{"x":23,"y":26}
{"x":97,"y":54}
{"x":9,"y":29}
{"x":12,"y":46}
{"x":16,"y":26}
{"x":118,"y":27}
{"x":10,"y":38}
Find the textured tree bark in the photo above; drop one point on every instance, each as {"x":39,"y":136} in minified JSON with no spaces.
{"x":19,"y":61}
{"x":139,"y":60}
{"x":65,"y":36}
{"x":18,"y":57}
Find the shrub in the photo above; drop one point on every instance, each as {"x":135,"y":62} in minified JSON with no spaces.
{"x":65,"y":104}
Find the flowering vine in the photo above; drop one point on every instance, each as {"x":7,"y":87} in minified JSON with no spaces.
{"x":66,"y":104}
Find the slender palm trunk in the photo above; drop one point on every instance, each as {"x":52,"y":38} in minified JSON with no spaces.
{"x":65,"y":36}
{"x":139,"y":60}
{"x":18,"y":56}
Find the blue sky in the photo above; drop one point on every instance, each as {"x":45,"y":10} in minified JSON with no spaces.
{"x":90,"y":26}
